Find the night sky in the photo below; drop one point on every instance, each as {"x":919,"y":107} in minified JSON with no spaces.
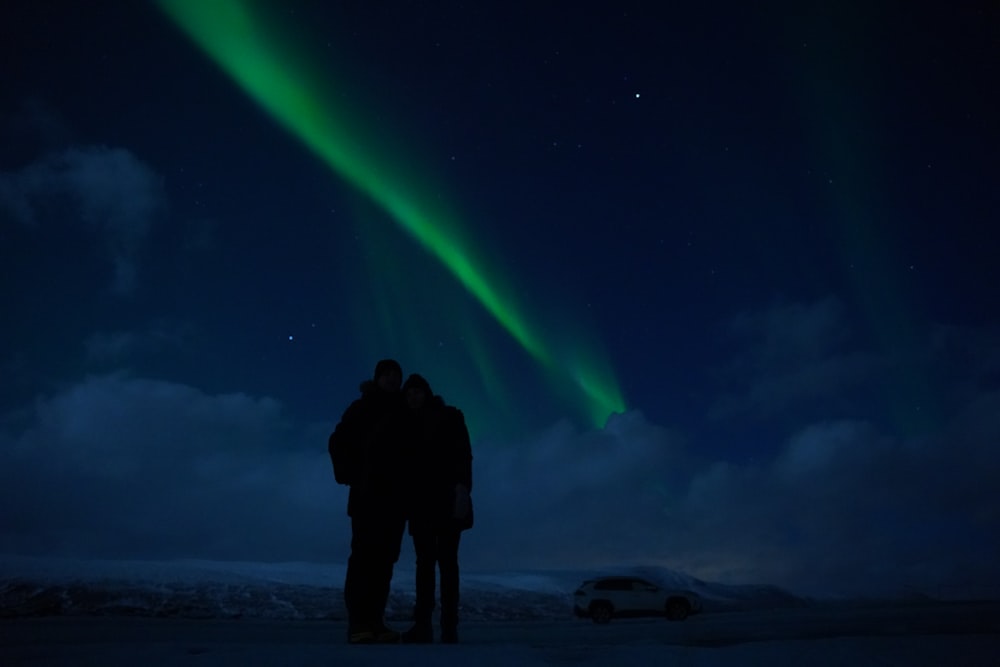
{"x":715,"y":284}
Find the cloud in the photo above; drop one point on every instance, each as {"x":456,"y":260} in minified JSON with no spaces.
{"x":116,"y":348}
{"x":792,"y":355}
{"x":842,"y":508}
{"x":110,"y":191}
{"x":577,"y":498}
{"x":117,"y":466}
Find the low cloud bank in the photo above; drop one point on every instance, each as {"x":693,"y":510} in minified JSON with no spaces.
{"x":122,"y":467}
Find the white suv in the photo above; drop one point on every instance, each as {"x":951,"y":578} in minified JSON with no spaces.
{"x":617,"y":597}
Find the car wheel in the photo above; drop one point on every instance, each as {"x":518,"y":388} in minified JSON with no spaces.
{"x":678,"y":609}
{"x":600,"y":612}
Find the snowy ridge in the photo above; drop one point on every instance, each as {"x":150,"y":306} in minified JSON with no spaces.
{"x":303,"y":591}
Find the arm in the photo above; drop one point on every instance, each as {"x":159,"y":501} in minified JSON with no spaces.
{"x":462,"y":471}
{"x":344,"y":446}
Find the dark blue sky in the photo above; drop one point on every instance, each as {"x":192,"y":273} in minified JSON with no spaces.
{"x":775,"y":227}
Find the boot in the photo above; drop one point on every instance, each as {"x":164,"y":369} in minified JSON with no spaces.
{"x":360,"y":635}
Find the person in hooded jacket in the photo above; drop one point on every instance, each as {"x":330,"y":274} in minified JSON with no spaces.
{"x":440,"y":508}
{"x":369,"y":450}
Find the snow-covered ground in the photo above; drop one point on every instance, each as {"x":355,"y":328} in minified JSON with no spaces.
{"x":305,"y":591}
{"x":152,"y":642}
{"x":60,"y":612}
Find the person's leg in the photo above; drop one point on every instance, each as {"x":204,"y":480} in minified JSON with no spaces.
{"x":357,"y":583}
{"x":425,"y":546}
{"x":448,"y":561}
{"x":389,"y":539}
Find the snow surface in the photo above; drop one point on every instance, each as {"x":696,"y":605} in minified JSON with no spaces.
{"x":60,"y":612}
{"x":306,"y":591}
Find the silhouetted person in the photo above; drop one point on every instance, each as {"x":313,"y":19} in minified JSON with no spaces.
{"x":369,"y":453}
{"x":440,"y":508}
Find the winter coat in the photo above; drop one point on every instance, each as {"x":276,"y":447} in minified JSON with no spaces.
{"x":442,"y":459}
{"x":371,"y":452}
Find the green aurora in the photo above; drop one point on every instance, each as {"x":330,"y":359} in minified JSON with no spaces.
{"x":244,"y":43}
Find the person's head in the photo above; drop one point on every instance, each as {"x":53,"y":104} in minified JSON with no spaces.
{"x":388,"y":375}
{"x":417,"y":391}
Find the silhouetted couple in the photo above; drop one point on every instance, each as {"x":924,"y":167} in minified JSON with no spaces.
{"x":407,"y":457}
